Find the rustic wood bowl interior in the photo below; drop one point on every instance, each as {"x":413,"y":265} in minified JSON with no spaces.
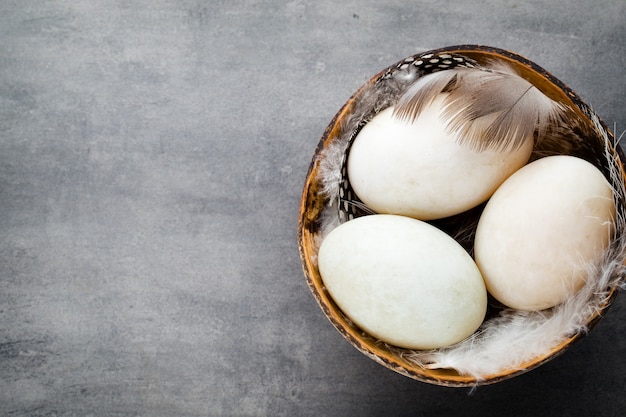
{"x":313,"y":203}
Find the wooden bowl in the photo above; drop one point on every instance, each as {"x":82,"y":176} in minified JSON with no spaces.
{"x":314,"y":203}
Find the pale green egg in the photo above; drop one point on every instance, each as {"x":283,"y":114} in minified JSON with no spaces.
{"x":403,"y":281}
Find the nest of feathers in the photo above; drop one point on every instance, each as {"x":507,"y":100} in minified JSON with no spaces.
{"x":509,"y":342}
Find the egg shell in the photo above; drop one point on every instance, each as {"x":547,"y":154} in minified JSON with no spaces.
{"x":418,"y":169}
{"x":403,"y":281}
{"x":541,"y":229}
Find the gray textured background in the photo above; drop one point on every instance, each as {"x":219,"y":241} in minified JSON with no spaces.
{"x":152,"y":156}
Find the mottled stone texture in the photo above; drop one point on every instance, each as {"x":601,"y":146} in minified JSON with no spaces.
{"x":152,"y":155}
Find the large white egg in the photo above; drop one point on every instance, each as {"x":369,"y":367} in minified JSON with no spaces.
{"x":541,"y":229}
{"x":418,"y":169}
{"x":403,"y":281}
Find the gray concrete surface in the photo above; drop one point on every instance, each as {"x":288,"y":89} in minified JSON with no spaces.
{"x":152,"y":156}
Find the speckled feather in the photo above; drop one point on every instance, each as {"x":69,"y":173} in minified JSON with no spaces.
{"x":404,"y":73}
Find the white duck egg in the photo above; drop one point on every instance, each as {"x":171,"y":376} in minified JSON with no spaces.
{"x":541,"y":230}
{"x":403,"y":281}
{"x":420,"y":170}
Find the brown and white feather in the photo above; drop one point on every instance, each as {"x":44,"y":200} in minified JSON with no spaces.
{"x":487,"y":108}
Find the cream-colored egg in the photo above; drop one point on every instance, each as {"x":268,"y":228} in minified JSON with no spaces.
{"x":403,"y":281}
{"x":541,"y":229}
{"x":418,"y":169}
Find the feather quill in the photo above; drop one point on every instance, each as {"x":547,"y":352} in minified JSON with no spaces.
{"x":487,"y":108}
